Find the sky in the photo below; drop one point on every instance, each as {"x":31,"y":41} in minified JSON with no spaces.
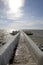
{"x":21,"y":14}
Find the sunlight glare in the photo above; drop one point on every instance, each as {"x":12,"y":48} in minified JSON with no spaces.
{"x":15,"y":5}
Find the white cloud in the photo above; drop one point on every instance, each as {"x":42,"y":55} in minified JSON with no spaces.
{"x":12,"y":9}
{"x":20,"y":25}
{"x":15,"y":10}
{"x":14,"y":5}
{"x":23,"y":24}
{"x":39,"y":21}
{"x":2,"y":22}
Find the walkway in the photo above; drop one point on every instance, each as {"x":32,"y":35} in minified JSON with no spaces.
{"x":23,"y":56}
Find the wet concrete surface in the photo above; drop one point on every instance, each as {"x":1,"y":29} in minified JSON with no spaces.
{"x":23,"y":55}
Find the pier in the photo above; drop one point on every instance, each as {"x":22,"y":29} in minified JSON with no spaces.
{"x":21,"y":50}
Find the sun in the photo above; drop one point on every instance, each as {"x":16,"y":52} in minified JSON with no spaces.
{"x":15,"y":5}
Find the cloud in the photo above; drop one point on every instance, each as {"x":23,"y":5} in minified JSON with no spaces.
{"x":23,"y":24}
{"x":20,"y":25}
{"x":11,"y":9}
{"x":15,"y":10}
{"x":3,"y":6}
{"x":2,"y":22}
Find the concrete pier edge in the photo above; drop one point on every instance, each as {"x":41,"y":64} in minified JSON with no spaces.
{"x":7,"y":50}
{"x":35,"y":51}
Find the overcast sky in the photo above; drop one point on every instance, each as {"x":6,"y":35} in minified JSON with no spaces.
{"x":20,"y":14}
